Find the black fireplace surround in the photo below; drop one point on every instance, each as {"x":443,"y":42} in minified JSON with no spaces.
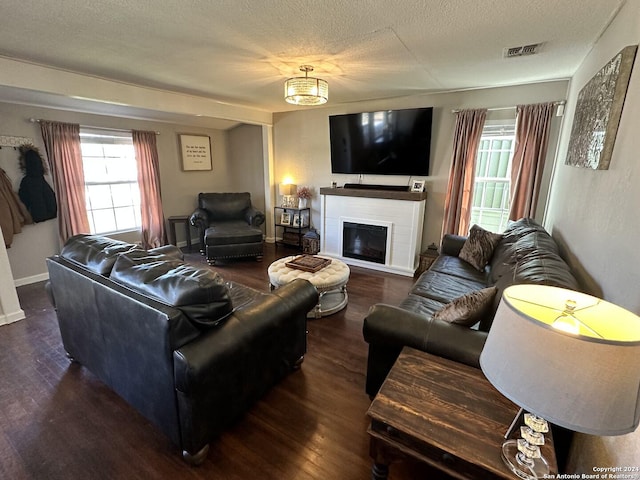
{"x":364,"y":242}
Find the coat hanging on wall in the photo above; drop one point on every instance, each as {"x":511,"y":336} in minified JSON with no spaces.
{"x":35,"y":192}
{"x":13,"y":213}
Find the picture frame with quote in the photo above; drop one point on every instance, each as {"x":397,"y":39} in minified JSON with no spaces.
{"x":196,"y":152}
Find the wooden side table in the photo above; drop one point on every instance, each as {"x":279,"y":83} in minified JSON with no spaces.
{"x":295,"y":222}
{"x":426,"y":259}
{"x":445,"y":414}
{"x":172,"y":229}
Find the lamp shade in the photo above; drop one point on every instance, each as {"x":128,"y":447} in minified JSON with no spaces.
{"x":287,"y":189}
{"x":587,"y":381}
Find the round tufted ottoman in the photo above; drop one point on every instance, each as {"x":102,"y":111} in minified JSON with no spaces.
{"x":330,"y":281}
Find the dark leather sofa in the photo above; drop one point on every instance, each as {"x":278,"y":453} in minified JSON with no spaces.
{"x":526,"y":253}
{"x":190,"y":351}
{"x":229,"y":226}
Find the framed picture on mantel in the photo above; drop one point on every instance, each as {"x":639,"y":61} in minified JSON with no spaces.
{"x":196,"y":152}
{"x":417,"y":186}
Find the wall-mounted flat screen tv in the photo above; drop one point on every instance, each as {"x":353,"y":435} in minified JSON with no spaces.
{"x":389,"y":142}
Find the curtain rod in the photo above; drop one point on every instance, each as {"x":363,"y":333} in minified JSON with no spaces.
{"x":558,"y":102}
{"x":38,"y":120}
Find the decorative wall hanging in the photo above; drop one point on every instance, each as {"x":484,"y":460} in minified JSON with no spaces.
{"x":196,"y":152}
{"x":11,"y":141}
{"x":598,"y":112}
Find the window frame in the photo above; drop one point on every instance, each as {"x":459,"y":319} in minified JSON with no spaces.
{"x":102,"y":138}
{"x":494,"y":130}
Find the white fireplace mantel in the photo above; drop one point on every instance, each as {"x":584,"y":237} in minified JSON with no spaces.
{"x":401,"y":212}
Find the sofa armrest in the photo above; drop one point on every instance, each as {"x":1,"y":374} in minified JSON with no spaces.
{"x":202,"y":359}
{"x":392,"y":326}
{"x":254,"y":217}
{"x":199,"y":218}
{"x":452,"y":244}
{"x":219,"y":374}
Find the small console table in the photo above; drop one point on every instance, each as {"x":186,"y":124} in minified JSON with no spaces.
{"x":172,"y":229}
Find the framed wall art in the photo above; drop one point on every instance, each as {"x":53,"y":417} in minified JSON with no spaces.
{"x":195,"y":151}
{"x":598,"y":111}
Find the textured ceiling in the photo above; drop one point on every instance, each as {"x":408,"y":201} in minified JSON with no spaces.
{"x":240,"y":51}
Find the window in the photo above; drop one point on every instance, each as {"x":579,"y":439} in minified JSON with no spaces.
{"x":490,"y":207}
{"x":111,"y":181}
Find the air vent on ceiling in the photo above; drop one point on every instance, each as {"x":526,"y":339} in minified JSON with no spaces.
{"x":523,"y":50}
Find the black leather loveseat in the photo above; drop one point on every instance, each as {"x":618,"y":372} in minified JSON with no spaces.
{"x":188,"y":350}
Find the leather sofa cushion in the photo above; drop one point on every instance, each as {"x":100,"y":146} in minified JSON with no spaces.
{"x":520,"y":238}
{"x":458,"y":268}
{"x":543,"y":268}
{"x":200,"y":293}
{"x":421,"y":305}
{"x":443,"y":287}
{"x":96,"y":253}
{"x":232,"y":232}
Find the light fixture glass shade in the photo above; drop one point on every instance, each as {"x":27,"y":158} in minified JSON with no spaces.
{"x":588,"y":381}
{"x":306,"y":90}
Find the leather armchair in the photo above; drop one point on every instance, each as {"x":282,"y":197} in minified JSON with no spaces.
{"x":229,"y":226}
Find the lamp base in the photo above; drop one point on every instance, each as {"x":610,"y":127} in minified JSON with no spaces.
{"x":523,"y":467}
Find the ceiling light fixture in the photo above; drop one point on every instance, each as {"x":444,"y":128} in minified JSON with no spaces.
{"x":306,"y":90}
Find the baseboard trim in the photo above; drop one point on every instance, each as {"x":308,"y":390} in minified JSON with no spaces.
{"x":32,"y":279}
{"x":8,"y":318}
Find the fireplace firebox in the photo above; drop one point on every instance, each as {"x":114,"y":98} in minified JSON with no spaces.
{"x":364,"y":242}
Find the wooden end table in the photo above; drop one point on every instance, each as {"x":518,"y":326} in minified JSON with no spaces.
{"x":445,"y":414}
{"x":184,"y":219}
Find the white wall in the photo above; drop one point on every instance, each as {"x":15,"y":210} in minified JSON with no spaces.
{"x":10,"y":310}
{"x":246,"y":162}
{"x":302,"y":150}
{"x":594,"y":215}
{"x":179,"y":188}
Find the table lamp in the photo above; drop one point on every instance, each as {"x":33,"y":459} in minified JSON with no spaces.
{"x":565,"y":357}
{"x":287,"y":190}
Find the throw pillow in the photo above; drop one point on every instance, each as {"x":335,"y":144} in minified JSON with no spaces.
{"x":478,"y":248}
{"x":468,"y":309}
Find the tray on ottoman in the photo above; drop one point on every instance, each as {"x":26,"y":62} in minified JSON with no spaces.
{"x":308,"y":263}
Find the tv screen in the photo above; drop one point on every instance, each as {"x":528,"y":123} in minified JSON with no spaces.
{"x":389,"y":142}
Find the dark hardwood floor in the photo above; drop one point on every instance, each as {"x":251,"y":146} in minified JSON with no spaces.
{"x":57,"y":421}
